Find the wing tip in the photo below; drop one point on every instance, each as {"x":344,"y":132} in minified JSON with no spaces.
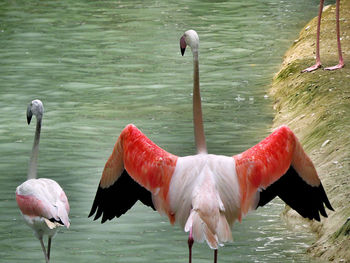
{"x":95,"y":203}
{"x":309,"y":203}
{"x":92,"y":211}
{"x":325,"y":199}
{"x":117,"y":199}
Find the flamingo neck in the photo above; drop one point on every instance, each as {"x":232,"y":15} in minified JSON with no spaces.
{"x":32,"y":171}
{"x":197,"y":108}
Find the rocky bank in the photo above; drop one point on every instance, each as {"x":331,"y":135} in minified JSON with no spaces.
{"x":316,"y":106}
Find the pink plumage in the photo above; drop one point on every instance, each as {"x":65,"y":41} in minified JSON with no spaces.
{"x":43,"y":198}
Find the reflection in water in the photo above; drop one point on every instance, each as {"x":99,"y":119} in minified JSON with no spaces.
{"x":98,"y":66}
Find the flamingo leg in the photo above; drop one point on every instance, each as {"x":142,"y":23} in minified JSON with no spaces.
{"x":44,"y":250}
{"x":190,"y":244}
{"x":215,"y":256}
{"x":341,"y":60}
{"x":318,"y":59}
{"x":48,"y":247}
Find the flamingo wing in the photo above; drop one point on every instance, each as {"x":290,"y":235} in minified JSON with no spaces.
{"x":278,"y":166}
{"x":136,"y":170}
{"x":43,"y":198}
{"x":305,"y":199}
{"x":117,"y":199}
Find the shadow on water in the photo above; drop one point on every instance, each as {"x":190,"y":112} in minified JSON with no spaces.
{"x":98,"y":66}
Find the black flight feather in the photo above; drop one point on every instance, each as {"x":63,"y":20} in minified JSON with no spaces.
{"x":118,"y":198}
{"x":307,"y":200}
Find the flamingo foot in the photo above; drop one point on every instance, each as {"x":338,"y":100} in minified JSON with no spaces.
{"x":312,"y":68}
{"x":190,"y":244}
{"x":339,"y":66}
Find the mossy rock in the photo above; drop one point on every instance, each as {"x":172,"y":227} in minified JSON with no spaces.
{"x":316,"y":106}
{"x":344,"y":230}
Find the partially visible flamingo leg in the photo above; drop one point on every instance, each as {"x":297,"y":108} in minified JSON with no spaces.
{"x":190,"y":244}
{"x":44,"y":250}
{"x":341,"y":60}
{"x":215,"y":256}
{"x":318,"y":59}
{"x":48,"y":247}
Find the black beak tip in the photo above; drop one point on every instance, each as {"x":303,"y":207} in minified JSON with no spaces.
{"x":29,"y":113}
{"x":183,"y":51}
{"x":29,"y":118}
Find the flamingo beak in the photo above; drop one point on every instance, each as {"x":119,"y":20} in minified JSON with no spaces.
{"x":183,"y":45}
{"x":29,"y":113}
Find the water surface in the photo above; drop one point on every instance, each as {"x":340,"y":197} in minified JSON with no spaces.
{"x":99,"y":65}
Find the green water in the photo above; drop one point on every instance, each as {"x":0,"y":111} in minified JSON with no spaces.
{"x":99,"y":65}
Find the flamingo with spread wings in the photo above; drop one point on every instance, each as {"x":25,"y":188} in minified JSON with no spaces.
{"x":207,"y":193}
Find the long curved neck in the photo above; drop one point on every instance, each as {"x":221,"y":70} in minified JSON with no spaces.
{"x":197,"y":108}
{"x":32,"y":171}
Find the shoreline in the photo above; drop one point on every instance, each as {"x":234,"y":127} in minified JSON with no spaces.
{"x":316,"y":106}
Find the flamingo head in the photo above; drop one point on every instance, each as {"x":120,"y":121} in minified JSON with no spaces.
{"x":35,"y":108}
{"x":190,"y":38}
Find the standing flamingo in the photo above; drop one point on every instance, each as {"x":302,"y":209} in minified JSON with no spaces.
{"x":43,"y":203}
{"x":207,"y":193}
{"x":318,"y":63}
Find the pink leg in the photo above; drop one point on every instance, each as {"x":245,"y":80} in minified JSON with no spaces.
{"x":341,"y":60}
{"x":190,"y":244}
{"x":48,"y":247}
{"x":215,"y":256}
{"x":318,"y":59}
{"x":44,"y":250}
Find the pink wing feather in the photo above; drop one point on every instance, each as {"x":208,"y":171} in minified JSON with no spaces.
{"x":149,"y":166}
{"x":265,"y":163}
{"x":44,"y":198}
